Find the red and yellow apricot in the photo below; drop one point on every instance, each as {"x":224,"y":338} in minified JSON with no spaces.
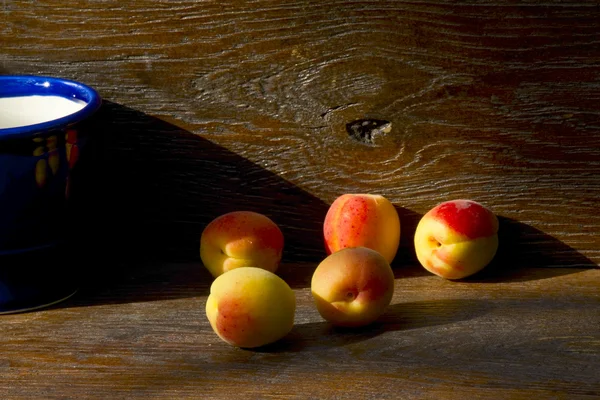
{"x":250,"y":307}
{"x":456,"y":239}
{"x":353,"y":286}
{"x":362,"y":220}
{"x":241,"y":239}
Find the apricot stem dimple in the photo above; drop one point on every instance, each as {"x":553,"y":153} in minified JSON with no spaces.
{"x":434,"y":242}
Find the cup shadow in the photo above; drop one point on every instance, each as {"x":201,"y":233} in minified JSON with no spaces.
{"x":318,"y":336}
{"x":149,"y":190}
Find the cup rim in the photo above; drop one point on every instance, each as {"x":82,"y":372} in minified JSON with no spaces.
{"x":39,"y":85}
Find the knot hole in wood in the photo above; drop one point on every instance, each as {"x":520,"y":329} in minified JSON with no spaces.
{"x":366,"y":130}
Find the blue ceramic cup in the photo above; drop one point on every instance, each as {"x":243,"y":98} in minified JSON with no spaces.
{"x":45,"y":124}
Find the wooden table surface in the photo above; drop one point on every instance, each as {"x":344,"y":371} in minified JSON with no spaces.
{"x":218,"y":106}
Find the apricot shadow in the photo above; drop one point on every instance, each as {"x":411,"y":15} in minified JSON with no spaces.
{"x":524,"y":253}
{"x":319,"y":336}
{"x":146,"y":191}
{"x":406,"y":264}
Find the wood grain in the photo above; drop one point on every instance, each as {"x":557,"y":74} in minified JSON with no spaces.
{"x":215,"y":106}
{"x":528,"y":335}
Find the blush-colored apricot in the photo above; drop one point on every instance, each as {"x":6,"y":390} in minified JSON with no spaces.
{"x":250,"y":307}
{"x":362,"y":220}
{"x":456,"y":238}
{"x":352,"y":287}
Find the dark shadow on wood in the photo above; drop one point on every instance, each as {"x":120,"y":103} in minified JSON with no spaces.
{"x":319,"y":336}
{"x":406,"y":264}
{"x":147,"y":189}
{"x":524,"y":253}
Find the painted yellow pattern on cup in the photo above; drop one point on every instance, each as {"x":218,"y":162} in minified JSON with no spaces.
{"x":41,"y":167}
{"x":53,"y":156}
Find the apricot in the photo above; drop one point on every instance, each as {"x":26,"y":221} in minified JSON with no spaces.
{"x":456,"y":238}
{"x":362,"y":220}
{"x":352,"y":287}
{"x":241,"y":239}
{"x":250,"y":307}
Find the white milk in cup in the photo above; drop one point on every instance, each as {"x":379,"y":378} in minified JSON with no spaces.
{"x":29,"y":110}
